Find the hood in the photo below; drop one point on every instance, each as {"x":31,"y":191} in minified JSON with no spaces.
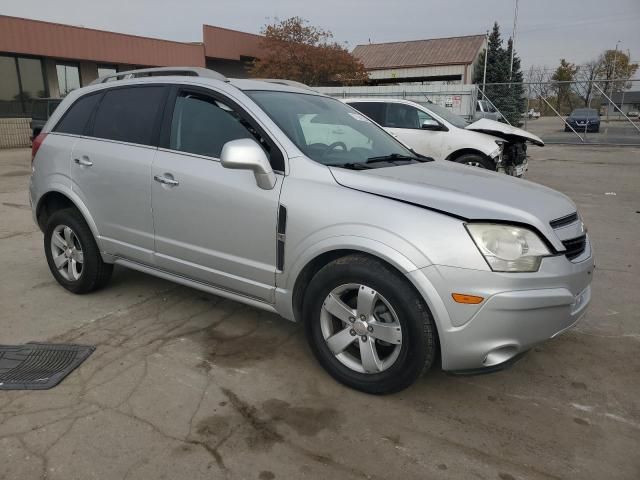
{"x":504,"y":131}
{"x":466,"y":192}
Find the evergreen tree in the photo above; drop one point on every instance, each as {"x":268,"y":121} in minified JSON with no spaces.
{"x":508,"y":99}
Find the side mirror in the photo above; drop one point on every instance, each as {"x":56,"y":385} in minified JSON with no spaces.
{"x":431,"y":125}
{"x":246,"y":154}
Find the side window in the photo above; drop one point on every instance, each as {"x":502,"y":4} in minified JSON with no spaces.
{"x":76,"y":117}
{"x":129,"y":114}
{"x":423,"y":116}
{"x":373,"y":110}
{"x":400,"y":115}
{"x":202,"y":125}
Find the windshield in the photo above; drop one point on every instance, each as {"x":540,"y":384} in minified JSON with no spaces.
{"x":446,"y":114}
{"x":328,"y":131}
{"x":584,"y":112}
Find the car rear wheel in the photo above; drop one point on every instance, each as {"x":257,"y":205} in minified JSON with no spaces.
{"x":367,"y":326}
{"x":474,"y":160}
{"x":72,"y":253}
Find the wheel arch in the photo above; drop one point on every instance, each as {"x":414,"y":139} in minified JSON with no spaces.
{"x":466,"y":151}
{"x":57,"y":199}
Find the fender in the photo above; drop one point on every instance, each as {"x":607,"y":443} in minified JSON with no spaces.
{"x":78,"y":203}
{"x":285,"y":282}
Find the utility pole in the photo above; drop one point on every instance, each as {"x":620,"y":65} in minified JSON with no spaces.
{"x":513,"y":38}
{"x":613,"y":75}
{"x":486,"y":55}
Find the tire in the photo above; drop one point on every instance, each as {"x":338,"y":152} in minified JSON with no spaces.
{"x":474,"y":160}
{"x":567,"y":129}
{"x":89,"y":272}
{"x":400,"y":363}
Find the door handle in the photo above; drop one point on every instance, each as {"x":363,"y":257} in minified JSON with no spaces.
{"x":166,"y":181}
{"x":84,"y":161}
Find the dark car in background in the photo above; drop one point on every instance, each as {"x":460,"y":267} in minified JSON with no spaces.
{"x":583,"y":119}
{"x":41,"y":110}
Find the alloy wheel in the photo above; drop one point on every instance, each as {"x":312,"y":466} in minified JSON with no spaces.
{"x":361,"y":328}
{"x":67,"y":254}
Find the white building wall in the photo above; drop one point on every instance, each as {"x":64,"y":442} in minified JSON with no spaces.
{"x":435,"y":71}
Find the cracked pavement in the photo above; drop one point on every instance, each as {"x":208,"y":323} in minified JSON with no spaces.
{"x":187,"y":385}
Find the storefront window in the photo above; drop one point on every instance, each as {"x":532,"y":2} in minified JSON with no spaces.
{"x":32,"y":80}
{"x":21,"y":81}
{"x":104,"y":70}
{"x":68,"y":77}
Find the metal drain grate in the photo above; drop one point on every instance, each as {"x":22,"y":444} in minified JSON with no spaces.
{"x":39,"y":366}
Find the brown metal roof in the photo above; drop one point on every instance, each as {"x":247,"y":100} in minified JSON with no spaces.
{"x":35,"y":37}
{"x":230,"y":44}
{"x":420,"y":53}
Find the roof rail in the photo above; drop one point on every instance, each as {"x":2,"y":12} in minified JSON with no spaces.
{"x":290,"y":83}
{"x":163,"y":71}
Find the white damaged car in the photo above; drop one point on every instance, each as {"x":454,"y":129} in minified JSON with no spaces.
{"x":436,"y":132}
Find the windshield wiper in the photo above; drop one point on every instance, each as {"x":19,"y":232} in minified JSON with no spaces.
{"x":350,"y":166}
{"x":394,"y":157}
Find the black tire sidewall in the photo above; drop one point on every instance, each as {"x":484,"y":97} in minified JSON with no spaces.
{"x":471,"y":157}
{"x":91,"y":255}
{"x":418,"y":347}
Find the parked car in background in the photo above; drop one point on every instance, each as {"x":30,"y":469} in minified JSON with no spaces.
{"x":435,"y":131}
{"x":532,"y":114}
{"x":41,"y":110}
{"x":633,"y":114}
{"x":583,"y":119}
{"x":290,"y":201}
{"x":484,"y":109}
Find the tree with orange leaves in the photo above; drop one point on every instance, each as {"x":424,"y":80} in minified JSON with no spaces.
{"x":296,"y":50}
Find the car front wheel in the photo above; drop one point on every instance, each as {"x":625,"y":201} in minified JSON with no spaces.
{"x":474,"y":160}
{"x":367,"y":326}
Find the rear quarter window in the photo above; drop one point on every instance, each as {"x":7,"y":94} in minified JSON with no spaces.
{"x":129,"y":114}
{"x":75,"y":119}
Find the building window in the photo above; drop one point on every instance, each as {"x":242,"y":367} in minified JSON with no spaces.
{"x":21,"y":81}
{"x":104,"y":70}
{"x":68,"y":77}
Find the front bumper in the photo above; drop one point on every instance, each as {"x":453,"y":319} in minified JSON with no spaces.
{"x":519,"y":311}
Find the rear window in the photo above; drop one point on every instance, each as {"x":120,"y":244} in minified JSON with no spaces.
{"x":373,"y":110}
{"x":129,"y":114}
{"x":76,"y":117}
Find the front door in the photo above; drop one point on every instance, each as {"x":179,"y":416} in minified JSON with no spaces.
{"x":212,"y":224}
{"x":405,"y":123}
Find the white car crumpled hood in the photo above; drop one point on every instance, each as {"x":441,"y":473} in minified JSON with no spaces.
{"x":502,"y":130}
{"x":467,"y":192}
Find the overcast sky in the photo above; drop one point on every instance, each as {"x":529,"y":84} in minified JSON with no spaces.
{"x":547,"y":29}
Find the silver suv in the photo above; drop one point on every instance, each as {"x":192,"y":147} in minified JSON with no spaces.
{"x":273,"y":195}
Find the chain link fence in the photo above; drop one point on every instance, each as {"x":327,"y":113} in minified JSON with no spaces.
{"x":576,"y":112}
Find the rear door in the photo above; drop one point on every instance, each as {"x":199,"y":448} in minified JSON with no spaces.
{"x":213,"y":224}
{"x":111,"y":168}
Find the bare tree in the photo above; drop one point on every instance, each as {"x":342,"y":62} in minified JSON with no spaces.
{"x":586,"y":76}
{"x":539,"y":82}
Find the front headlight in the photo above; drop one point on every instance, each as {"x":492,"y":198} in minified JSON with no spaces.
{"x":508,"y":248}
